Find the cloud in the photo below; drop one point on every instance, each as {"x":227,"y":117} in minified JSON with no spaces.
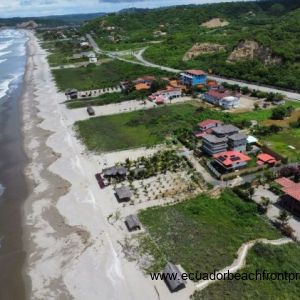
{"x":22,"y":8}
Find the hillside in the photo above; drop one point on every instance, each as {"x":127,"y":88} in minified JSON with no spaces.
{"x":273,"y":27}
{"x":51,"y":21}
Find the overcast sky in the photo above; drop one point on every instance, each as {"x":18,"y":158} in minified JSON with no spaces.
{"x":22,"y":8}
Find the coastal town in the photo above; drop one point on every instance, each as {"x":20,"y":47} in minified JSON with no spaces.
{"x":144,"y":175}
{"x":215,"y":154}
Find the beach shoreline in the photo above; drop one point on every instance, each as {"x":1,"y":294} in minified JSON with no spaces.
{"x":66,"y":232}
{"x":73,"y":251}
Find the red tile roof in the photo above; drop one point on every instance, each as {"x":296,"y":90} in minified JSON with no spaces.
{"x":208,"y":122}
{"x":229,"y":157}
{"x":195,"y":72}
{"x":293,"y":192}
{"x":218,"y":95}
{"x":289,"y":187}
{"x":266,"y":158}
{"x":285,"y":182}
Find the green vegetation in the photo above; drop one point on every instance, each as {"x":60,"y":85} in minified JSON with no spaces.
{"x":133,"y":129}
{"x":61,"y":52}
{"x":106,"y":99}
{"x":202,"y":234}
{"x":273,"y":24}
{"x":105,"y":75}
{"x":281,"y":112}
{"x":281,"y":141}
{"x":152,"y":126}
{"x":284,"y":258}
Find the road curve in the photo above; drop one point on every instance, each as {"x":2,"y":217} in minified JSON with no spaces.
{"x":291,"y":95}
{"x":239,"y":262}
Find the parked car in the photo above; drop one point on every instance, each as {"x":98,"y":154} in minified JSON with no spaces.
{"x":90,"y":111}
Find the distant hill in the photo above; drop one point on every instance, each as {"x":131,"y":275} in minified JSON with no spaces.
{"x":262,"y":35}
{"x":52,"y":21}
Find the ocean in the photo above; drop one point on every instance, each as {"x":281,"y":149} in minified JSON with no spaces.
{"x":13,"y":185}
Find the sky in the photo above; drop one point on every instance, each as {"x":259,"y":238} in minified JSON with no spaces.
{"x":32,"y":8}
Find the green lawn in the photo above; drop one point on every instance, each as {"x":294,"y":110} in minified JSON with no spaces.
{"x":261,"y":257}
{"x":105,"y":75}
{"x":133,"y":129}
{"x":149,"y":127}
{"x":202,"y":234}
{"x":280,"y":142}
{"x":61,"y":52}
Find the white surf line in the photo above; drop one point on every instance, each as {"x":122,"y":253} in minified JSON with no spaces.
{"x":239,"y":262}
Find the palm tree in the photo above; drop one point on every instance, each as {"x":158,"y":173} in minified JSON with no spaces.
{"x":283,"y":217}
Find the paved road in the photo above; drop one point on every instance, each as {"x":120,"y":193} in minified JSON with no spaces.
{"x":141,"y":61}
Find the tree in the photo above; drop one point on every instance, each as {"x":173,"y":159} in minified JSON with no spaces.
{"x":277,"y":9}
{"x":283,"y":217}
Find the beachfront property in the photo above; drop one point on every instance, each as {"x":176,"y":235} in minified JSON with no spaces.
{"x":231,"y":160}
{"x":237,"y":142}
{"x":291,"y":197}
{"x":221,"y":98}
{"x":173,"y":277}
{"x":193,"y":77}
{"x":164,"y":95}
{"x":115,"y":171}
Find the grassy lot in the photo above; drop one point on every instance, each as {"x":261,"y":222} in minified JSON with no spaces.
{"x":280,"y":142}
{"x":105,"y":75}
{"x":106,"y":99}
{"x":61,"y":52}
{"x":285,"y":258}
{"x":133,"y":129}
{"x":202,"y":234}
{"x":149,"y":127}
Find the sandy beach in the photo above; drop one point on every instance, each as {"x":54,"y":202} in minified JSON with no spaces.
{"x":73,"y":252}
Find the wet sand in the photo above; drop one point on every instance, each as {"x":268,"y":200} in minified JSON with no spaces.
{"x":12,"y":163}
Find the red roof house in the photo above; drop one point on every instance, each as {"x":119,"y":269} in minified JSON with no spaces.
{"x":231,"y":160}
{"x":266,"y":159}
{"x":291,"y":189}
{"x":205,"y":127}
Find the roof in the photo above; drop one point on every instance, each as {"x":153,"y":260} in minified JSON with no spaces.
{"x":209,"y":122}
{"x":237,"y":137}
{"x":229,"y":157}
{"x":146,"y":78}
{"x":214,"y":139}
{"x":218,"y":95}
{"x":172,"y":271}
{"x":293,"y":192}
{"x":142,"y":86}
{"x":159,"y":99}
{"x":115,"y":170}
{"x":251,"y":139}
{"x":195,"y":72}
{"x":225,"y":129}
{"x":285,"y":182}
{"x":289,"y":187}
{"x":123,"y":192}
{"x":132,"y":222}
{"x":265,"y":157}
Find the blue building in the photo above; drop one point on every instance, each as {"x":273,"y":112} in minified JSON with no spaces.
{"x":193,"y":77}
